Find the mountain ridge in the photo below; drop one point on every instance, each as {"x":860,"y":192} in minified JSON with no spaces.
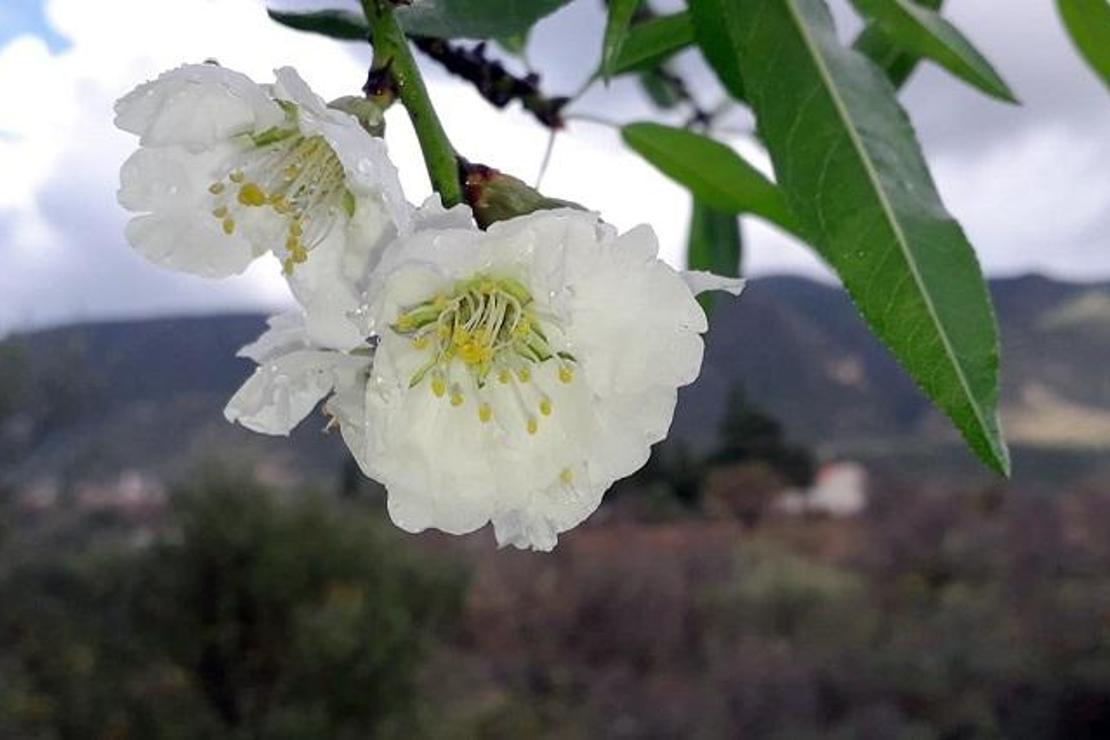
{"x":89,"y":399}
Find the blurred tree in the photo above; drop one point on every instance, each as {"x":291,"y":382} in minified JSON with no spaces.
{"x":250,"y":617}
{"x":295,"y":620}
{"x":13,"y":374}
{"x":747,"y":434}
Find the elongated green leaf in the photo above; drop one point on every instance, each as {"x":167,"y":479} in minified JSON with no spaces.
{"x":474,"y":19}
{"x":711,"y":30}
{"x":616,"y":30}
{"x":896,"y":63}
{"x":853,"y":173}
{"x":477,"y":19}
{"x":658,"y":89}
{"x":1088,"y":23}
{"x":651,"y":42}
{"x":336,"y":24}
{"x":925,"y":33}
{"x":715,"y":174}
{"x":713,"y":245}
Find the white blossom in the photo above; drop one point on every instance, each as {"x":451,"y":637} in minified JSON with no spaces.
{"x":293,"y":376}
{"x":318,"y":351}
{"x":519,"y":372}
{"x":228,"y":170}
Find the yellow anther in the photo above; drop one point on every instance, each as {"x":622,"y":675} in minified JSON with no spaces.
{"x":250,"y":194}
{"x":404,"y":323}
{"x":524,"y":374}
{"x":438,"y":387}
{"x":300,"y":255}
{"x":545,"y":407}
{"x":533,"y":425}
{"x":216,"y":188}
{"x":290,"y":172}
{"x":461,"y":337}
{"x":475,"y":352}
{"x":567,"y":476}
{"x":420,"y":342}
{"x":456,"y":398}
{"x":287,"y":266}
{"x":237,"y":177}
{"x":229,"y":226}
{"x":504,"y":376}
{"x":566,"y":374}
{"x":487,"y":286}
{"x":295,"y":228}
{"x":220,"y":212}
{"x":485,"y":413}
{"x":440,"y":302}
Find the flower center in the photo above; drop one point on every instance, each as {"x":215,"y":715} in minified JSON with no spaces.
{"x":486,"y":329}
{"x":298,"y":178}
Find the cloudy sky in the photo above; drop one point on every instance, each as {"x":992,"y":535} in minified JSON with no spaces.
{"x":1031,"y":184}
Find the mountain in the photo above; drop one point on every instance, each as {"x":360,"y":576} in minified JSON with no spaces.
{"x":90,"y":400}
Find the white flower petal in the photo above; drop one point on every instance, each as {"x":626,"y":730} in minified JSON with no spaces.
{"x":179,"y":241}
{"x":347,"y":405}
{"x":700,"y":281}
{"x":432,"y":215}
{"x":196,"y":106}
{"x":330,"y":284}
{"x":283,"y":390}
{"x":284,"y":333}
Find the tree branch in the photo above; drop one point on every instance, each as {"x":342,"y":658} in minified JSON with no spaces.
{"x":394,"y":68}
{"x":493,"y":82}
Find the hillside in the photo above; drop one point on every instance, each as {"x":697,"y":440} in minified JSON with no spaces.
{"x":87,"y":401}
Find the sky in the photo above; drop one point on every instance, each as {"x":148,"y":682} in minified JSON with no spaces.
{"x":1030,"y":183}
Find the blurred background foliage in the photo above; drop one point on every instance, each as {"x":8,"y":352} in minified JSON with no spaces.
{"x":249,"y":615}
{"x":245,"y":611}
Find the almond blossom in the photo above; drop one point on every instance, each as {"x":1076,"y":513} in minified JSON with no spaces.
{"x":228,"y":170}
{"x":522,"y":370}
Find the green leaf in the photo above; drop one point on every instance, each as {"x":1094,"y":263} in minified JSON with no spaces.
{"x":652,"y":42}
{"x":712,"y":31}
{"x":713,"y":245}
{"x":715,"y":174}
{"x":850,"y":166}
{"x":474,"y":19}
{"x":1088,"y":22}
{"x":336,"y":24}
{"x":659,"y":89}
{"x":896,"y":63}
{"x":616,"y":30}
{"x":925,"y":33}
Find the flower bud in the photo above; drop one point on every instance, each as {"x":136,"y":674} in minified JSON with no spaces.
{"x":495,"y":196}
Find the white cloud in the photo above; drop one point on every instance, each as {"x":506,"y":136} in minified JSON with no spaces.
{"x":1031,"y":184}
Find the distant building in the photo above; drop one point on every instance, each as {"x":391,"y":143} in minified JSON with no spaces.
{"x":839,"y":490}
{"x":132,"y":493}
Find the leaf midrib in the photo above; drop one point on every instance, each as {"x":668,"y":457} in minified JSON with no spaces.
{"x":900,"y":235}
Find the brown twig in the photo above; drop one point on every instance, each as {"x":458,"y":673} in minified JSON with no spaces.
{"x":493,"y":82}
